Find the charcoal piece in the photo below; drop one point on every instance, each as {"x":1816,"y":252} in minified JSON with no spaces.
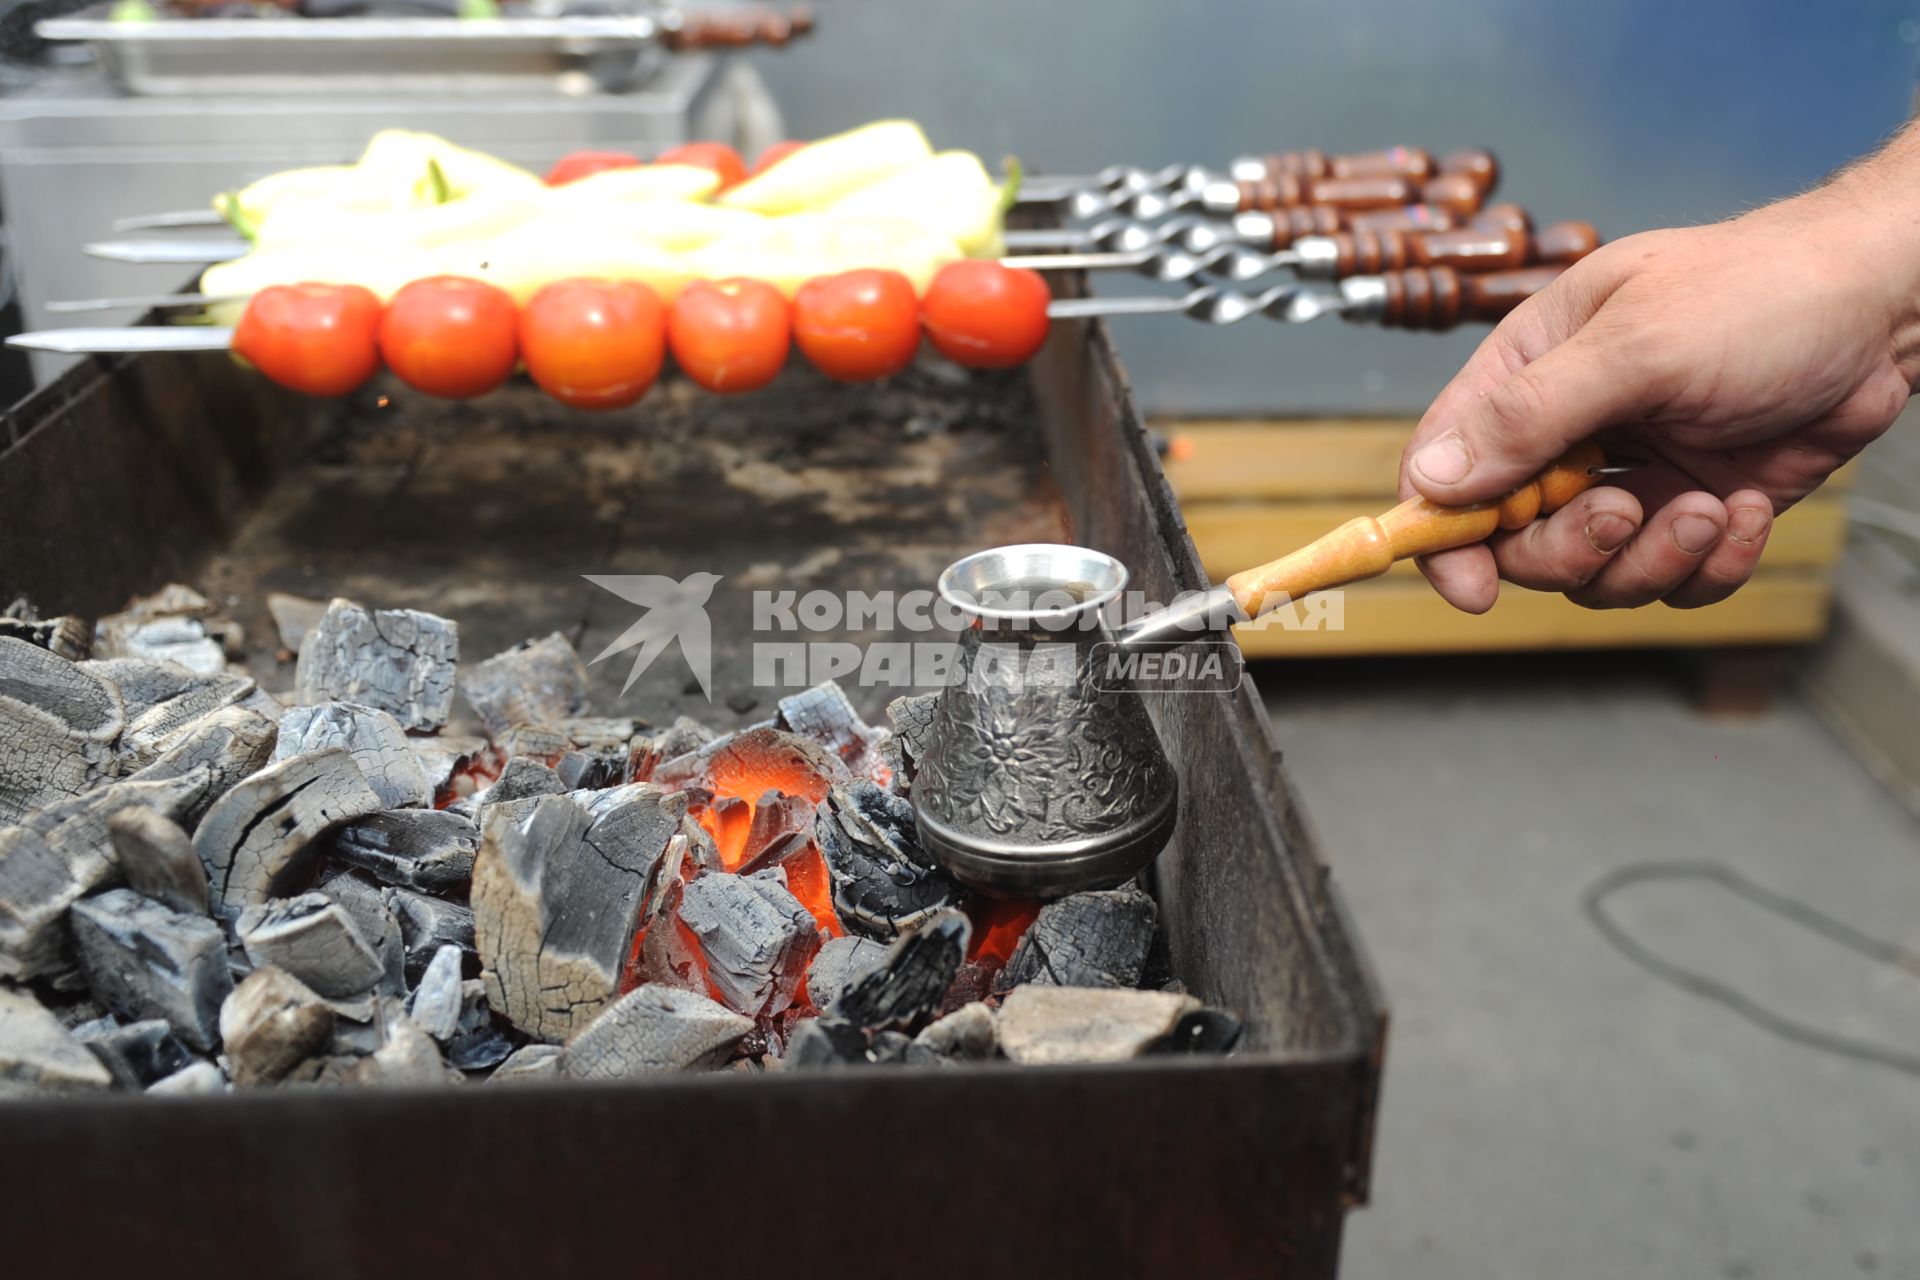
{"x":197,"y":1077}
{"x":523,"y":777}
{"x":838,"y":964}
{"x":161,"y":727}
{"x":543,"y":742}
{"x":476,"y":1044}
{"x":745,"y":760}
{"x":158,"y":859}
{"x":968,"y":1034}
{"x":426,"y":925}
{"x":184,"y":641}
{"x":907,"y":986}
{"x":143,"y":960}
{"x":824,"y":714}
{"x":395,"y":660}
{"x":590,"y":770}
{"x":557,"y":894}
{"x":1046,"y":1024}
{"x":315,"y":940}
{"x":529,"y":1062}
{"x":360,"y":1027}
{"x":58,"y":726}
{"x":294,"y":618}
{"x":755,"y":935}
{"x":1207,"y":1030}
{"x":258,"y":840}
{"x":445,"y":759}
{"x":890,"y":1046}
{"x":883,"y":881}
{"x":409,"y":1059}
{"x":912,"y":721}
{"x":37,"y":1054}
{"x":436,"y":1001}
{"x":373,"y":738}
{"x":231,"y":744}
{"x":142,"y":683}
{"x":137,"y":1054}
{"x":69,"y":637}
{"x":538,"y":682}
{"x":371,"y":909}
{"x":683,"y":737}
{"x":653,"y":1029}
{"x":424,"y":849}
{"x":270,"y":1024}
{"x":1097,"y":939}
{"x":37,"y":886}
{"x":826,"y":1042}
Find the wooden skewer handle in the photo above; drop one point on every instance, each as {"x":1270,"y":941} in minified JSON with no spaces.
{"x":1287,"y":190}
{"x":1368,"y":546}
{"x":1459,"y":193}
{"x":1437,"y":298}
{"x":1392,"y":162}
{"x":1476,"y":164}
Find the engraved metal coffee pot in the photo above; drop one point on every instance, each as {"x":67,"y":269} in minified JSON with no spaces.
{"x":1042,"y":774}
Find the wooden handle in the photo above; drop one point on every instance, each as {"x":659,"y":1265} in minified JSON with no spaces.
{"x":1302,"y":220}
{"x":1456,"y":192}
{"x":736,"y":28}
{"x":1285,"y":190}
{"x":1368,"y":546}
{"x":1477,"y":165}
{"x":1563,"y":243}
{"x":1467,"y":249}
{"x":1406,"y":217}
{"x":1392,"y":162}
{"x":1504,"y":214}
{"x":1436,"y":298}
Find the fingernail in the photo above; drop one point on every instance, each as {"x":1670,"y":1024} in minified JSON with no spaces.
{"x":1445,"y":461}
{"x":1695,"y":535}
{"x":1748,"y":525}
{"x":1606,"y":530}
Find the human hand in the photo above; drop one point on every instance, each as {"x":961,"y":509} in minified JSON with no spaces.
{"x":1746,"y":361}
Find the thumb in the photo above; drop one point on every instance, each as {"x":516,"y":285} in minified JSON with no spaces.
{"x":1490,"y":445}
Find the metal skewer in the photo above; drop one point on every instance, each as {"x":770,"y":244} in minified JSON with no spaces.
{"x":169,"y":220}
{"x":144,"y":301}
{"x":181,"y":252}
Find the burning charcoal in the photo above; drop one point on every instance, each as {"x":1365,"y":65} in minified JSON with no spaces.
{"x":270,"y":1024}
{"x":751,"y":763}
{"x":38,"y":1054}
{"x":909,"y":983}
{"x":838,"y":964}
{"x":294,"y":617}
{"x":395,"y":660}
{"x":967,"y":1034}
{"x":756,"y":936}
{"x":590,"y":771}
{"x":161,"y":727}
{"x":912,"y":720}
{"x":683,"y":737}
{"x":258,"y":839}
{"x":825,"y":1042}
{"x":556,"y":898}
{"x":419,"y":848}
{"x":232,"y":744}
{"x":373,"y":738}
{"x":529,"y":1062}
{"x":426,"y":925}
{"x":58,"y":724}
{"x":447,"y":758}
{"x":69,"y":637}
{"x":408,"y":1059}
{"x":1086,"y":940}
{"x":883,"y":882}
{"x":144,"y":961}
{"x":312,"y":938}
{"x":824,"y":714}
{"x":653,"y":1029}
{"x":538,"y":682}
{"x":158,"y":859}
{"x":1043,"y":1024}
{"x":436,"y":1001}
{"x":196,"y":1077}
{"x":137,"y":1054}
{"x":520,"y":779}
{"x":372,"y":913}
{"x":477,"y":1044}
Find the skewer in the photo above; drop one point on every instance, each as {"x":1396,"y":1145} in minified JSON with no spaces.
{"x":144,"y":301}
{"x":169,"y":220}
{"x":176,"y":252}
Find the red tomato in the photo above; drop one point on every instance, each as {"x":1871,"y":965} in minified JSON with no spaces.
{"x":731,"y":335}
{"x":858,"y":325}
{"x":450,"y":336}
{"x":576,"y":165}
{"x":774,"y":154}
{"x":717,"y":156}
{"x":986,"y":316}
{"x":594,"y":344}
{"x":321,"y":339}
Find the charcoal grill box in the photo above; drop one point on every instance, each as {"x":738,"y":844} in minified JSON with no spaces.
{"x":130,"y":472}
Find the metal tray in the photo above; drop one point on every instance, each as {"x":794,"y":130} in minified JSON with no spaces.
{"x":331,"y":56}
{"x":130,"y":471}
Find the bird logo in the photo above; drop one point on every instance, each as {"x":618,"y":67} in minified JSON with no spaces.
{"x":675,"y":610}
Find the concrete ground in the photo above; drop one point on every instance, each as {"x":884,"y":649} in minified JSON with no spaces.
{"x":1552,"y":1111}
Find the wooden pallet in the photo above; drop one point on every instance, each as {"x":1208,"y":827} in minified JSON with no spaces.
{"x":1253,"y":489}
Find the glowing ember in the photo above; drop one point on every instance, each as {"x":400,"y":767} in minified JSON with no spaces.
{"x":998,"y":925}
